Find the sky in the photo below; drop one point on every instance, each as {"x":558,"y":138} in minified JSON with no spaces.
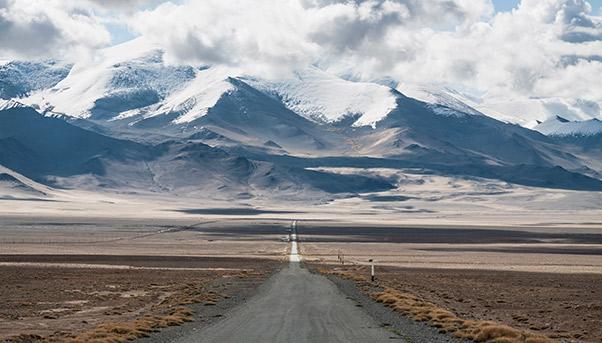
{"x":120,"y":33}
{"x":505,"y":5}
{"x":529,"y":48}
{"x":509,"y":5}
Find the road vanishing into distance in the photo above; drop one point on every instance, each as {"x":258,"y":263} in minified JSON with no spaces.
{"x":295,"y":306}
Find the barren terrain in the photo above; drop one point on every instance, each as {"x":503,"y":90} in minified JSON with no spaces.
{"x":420,"y":199}
{"x":65,"y":276}
{"x":109,"y":236}
{"x":545,"y":280}
{"x":530,"y":249}
{"x":71,"y":299}
{"x":566,"y":307}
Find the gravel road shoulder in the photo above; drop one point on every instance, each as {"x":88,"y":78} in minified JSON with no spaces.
{"x":239,"y":291}
{"x":409,"y":330}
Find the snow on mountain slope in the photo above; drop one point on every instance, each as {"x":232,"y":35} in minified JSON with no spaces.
{"x":8,"y":104}
{"x":559,"y":126}
{"x":322,"y":97}
{"x":124,"y":77}
{"x":444,"y":101}
{"x":252,"y":118}
{"x":20,"y":78}
{"x":198,"y":95}
{"x":311,"y":93}
{"x":135,"y":94}
{"x":130,"y":80}
{"x":527,"y":112}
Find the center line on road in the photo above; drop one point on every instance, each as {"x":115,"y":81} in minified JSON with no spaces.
{"x":294,"y":256}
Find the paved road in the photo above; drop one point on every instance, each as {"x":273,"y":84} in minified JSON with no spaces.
{"x":295,"y":306}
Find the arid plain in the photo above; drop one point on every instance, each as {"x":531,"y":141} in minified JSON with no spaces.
{"x":526,"y":258}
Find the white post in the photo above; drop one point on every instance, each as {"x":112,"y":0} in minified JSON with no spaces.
{"x":371,"y":269}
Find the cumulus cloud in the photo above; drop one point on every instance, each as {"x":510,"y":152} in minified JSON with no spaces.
{"x":290,"y":33}
{"x":415,"y":41}
{"x":48,"y":28}
{"x":543,"y":48}
{"x":121,"y":4}
{"x":120,"y":9}
{"x":263,"y":35}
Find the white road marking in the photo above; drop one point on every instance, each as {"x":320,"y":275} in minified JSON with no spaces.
{"x":294,"y":257}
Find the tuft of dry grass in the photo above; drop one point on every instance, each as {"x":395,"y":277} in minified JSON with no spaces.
{"x":129,"y":331}
{"x":170,"y":311}
{"x":446,"y":321}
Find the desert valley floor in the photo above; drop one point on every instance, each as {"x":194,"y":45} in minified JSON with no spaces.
{"x":533,"y":272}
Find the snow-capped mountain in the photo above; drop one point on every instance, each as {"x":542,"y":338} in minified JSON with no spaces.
{"x":140,"y":122}
{"x":131,"y":82}
{"x":319,"y":96}
{"x":444,"y":100}
{"x":524,"y":111}
{"x":529,"y":111}
{"x":54,"y":152}
{"x":585,"y":136}
{"x":558,"y":126}
{"x":20,"y":78}
{"x":125,"y":77}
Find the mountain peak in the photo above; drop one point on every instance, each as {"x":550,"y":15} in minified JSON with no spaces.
{"x":558,"y":126}
{"x":323,"y":97}
{"x":561,"y":119}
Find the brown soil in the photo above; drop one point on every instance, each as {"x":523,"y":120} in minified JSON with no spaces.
{"x":39,"y":303}
{"x":491,"y":306}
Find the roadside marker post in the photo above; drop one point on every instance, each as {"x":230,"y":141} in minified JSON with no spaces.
{"x":371,"y":269}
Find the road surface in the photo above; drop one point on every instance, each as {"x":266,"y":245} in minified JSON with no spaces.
{"x":295,"y":306}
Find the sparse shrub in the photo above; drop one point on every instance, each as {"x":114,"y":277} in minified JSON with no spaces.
{"x":493,"y":333}
{"x":446,"y":321}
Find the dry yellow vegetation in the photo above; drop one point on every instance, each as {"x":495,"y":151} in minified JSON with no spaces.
{"x":129,"y":331}
{"x":446,"y":321}
{"x":114,"y":305}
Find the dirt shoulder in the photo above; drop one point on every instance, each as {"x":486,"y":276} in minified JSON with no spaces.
{"x":563,"y":307}
{"x":405,"y":328}
{"x":39,"y":302}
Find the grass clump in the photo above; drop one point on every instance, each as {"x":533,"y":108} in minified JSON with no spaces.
{"x":446,"y":321}
{"x":129,"y":331}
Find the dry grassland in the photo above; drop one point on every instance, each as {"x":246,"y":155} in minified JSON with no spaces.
{"x":467,"y":312}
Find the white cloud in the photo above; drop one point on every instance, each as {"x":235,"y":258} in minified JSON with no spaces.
{"x":278,"y":36}
{"x":446,"y":41}
{"x":128,"y":5}
{"x":48,"y":28}
{"x":260,"y":35}
{"x":543,"y":48}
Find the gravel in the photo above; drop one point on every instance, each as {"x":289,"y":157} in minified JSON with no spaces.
{"x":240,"y":290}
{"x":407,"y":329}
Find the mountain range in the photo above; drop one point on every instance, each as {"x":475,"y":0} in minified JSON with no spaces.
{"x":127,"y":121}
